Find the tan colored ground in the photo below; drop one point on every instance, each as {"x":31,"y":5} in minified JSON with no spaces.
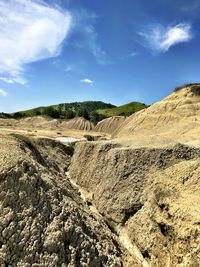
{"x":147,"y":179}
{"x":45,"y":126}
{"x":110,"y":125}
{"x":151,"y":195}
{"x":43,"y":220}
{"x":175,"y":119}
{"x":129,"y":201}
{"x":51,"y":133}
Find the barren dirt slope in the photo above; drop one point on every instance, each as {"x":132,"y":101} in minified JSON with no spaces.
{"x":109,"y":125}
{"x":174,"y":119}
{"x":44,"y":122}
{"x":78,"y":124}
{"x":150,"y":196}
{"x":43,"y":219}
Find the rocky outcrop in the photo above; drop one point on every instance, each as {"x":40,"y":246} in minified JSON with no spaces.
{"x":43,"y":219}
{"x":151,"y":195}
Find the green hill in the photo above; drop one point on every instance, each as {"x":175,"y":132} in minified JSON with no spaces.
{"x":94,"y":111}
{"x":65,"y":110}
{"x":125,"y":110}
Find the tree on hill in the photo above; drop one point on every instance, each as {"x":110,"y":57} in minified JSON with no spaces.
{"x":51,"y":112}
{"x":96,"y":117}
{"x":69,"y":114}
{"x":5,"y":115}
{"x":83,"y":113}
{"x":18,"y":115}
{"x":38,"y":113}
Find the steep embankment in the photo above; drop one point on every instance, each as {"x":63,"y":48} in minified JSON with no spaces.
{"x":174,"y":119}
{"x":151,"y":196}
{"x":78,"y":124}
{"x":110,"y":125}
{"x":149,"y":193}
{"x":43,"y":219}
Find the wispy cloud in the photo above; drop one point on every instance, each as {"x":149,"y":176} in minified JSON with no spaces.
{"x":30,"y":30}
{"x":3,"y":92}
{"x":6,"y":80}
{"x":191,"y":6}
{"x":129,"y":56}
{"x":68,"y":68}
{"x":87,"y":81}
{"x":133,"y":54}
{"x":160,"y":39}
{"x":85,"y":30}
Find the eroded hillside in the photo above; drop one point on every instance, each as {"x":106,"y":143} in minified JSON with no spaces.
{"x":150,"y":197}
{"x":44,"y":221}
{"x":169,"y":121}
{"x":133,"y":201}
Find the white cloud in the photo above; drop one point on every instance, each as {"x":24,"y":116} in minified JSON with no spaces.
{"x":133,"y":54}
{"x":3,"y":93}
{"x":87,"y":81}
{"x":12,"y":80}
{"x":159,"y":39}
{"x":30,"y":30}
{"x":87,"y":36}
{"x":95,"y":48}
{"x":128,"y":56}
{"x":6,"y":80}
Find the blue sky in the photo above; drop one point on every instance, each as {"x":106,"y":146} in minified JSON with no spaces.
{"x":116,"y":51}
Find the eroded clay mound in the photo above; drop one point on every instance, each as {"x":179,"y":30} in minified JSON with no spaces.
{"x":44,"y":122}
{"x":77,"y":124}
{"x":43,"y":221}
{"x":7,"y":122}
{"x":110,"y":125}
{"x":37,"y":122}
{"x":174,"y":119}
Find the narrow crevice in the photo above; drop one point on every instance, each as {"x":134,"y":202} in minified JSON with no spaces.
{"x":118,"y":229}
{"x":111,"y":225}
{"x":131,"y":212}
{"x":146,"y":254}
{"x":163,"y":206}
{"x":165,"y":229}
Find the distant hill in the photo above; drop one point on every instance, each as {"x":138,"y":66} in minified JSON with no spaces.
{"x":88,"y":106}
{"x":125,"y":110}
{"x":62,"y":111}
{"x":94,"y":111}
